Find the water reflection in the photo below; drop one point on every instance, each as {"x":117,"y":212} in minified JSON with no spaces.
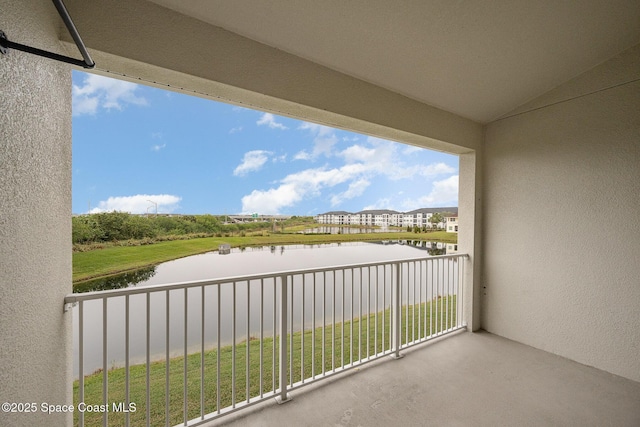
{"x":348,"y":230}
{"x":123,"y":280}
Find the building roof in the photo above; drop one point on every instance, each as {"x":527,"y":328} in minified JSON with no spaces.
{"x":453,"y":209}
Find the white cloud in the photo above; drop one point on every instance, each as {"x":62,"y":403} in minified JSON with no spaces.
{"x":358,"y":153}
{"x":302,"y":155}
{"x":272,"y":200}
{"x":269,"y":119}
{"x":381,"y":157}
{"x":252,"y":161}
{"x":444,"y":192}
{"x":361,"y":163}
{"x":411,"y":149}
{"x":235,"y":130}
{"x":383,"y":203}
{"x":98,"y":92}
{"x":158,"y":147}
{"x":295,"y":187}
{"x":324,"y":139}
{"x":436,"y":169}
{"x":139,"y":204}
{"x":356,"y":188}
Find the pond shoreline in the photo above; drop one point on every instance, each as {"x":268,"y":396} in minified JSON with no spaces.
{"x":113,"y":260}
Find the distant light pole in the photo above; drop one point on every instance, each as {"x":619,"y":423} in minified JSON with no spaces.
{"x":151,"y":201}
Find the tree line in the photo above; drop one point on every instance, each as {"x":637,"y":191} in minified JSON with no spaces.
{"x":118,"y":226}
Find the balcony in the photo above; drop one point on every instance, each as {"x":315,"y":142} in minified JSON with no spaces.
{"x":328,"y":345}
{"x":529,"y":154}
{"x":188,"y":353}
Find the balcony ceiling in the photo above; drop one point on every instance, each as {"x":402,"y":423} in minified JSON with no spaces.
{"x":476,"y":59}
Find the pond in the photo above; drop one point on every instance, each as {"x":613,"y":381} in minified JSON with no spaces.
{"x":239,"y":262}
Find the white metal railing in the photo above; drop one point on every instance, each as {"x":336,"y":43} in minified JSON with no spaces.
{"x":186,"y":353}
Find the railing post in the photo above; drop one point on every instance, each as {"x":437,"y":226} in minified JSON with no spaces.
{"x":283,"y":397}
{"x":396,"y":313}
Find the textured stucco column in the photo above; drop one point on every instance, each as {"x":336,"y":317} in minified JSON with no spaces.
{"x":35,"y":225}
{"x":469,"y":237}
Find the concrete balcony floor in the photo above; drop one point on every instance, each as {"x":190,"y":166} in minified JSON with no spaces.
{"x":468,"y":379}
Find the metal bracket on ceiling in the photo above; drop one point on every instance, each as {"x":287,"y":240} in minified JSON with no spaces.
{"x":87,"y":62}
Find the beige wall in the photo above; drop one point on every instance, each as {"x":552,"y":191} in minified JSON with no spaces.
{"x":560,"y":176}
{"x":35,"y":212}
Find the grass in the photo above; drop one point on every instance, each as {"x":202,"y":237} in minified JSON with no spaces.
{"x":118,"y":259}
{"x":414,"y":317}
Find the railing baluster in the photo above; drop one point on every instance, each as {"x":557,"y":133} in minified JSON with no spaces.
{"x":342,"y":324}
{"x":324,"y":319}
{"x":283,"y":340}
{"x":376,"y":309}
{"x":261,"y":338}
{"x":384,"y":307}
{"x":233,"y":347}
{"x":218,"y":332}
{"x":291,"y":300}
{"x":166,"y":360}
{"x":148,"y":361}
{"x":304,"y":282}
{"x":396,"y":312}
{"x":401,"y":303}
{"x":333,"y":324}
{"x":438,"y":309}
{"x":368,"y":313}
{"x":313,"y":329}
{"x":413,"y":307}
{"x":431,"y":299}
{"x":186,"y":372}
{"x":81,"y":360}
{"x":105,"y":372}
{"x":360,"y":316}
{"x":126,"y":358}
{"x":420,"y":301}
{"x":202,"y":310}
{"x":273,"y":355}
{"x":352,"y":320}
{"x":449,"y":303}
{"x":248,"y":361}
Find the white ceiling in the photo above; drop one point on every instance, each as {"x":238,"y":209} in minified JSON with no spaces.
{"x":478,"y":59}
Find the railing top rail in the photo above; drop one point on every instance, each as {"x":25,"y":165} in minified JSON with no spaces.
{"x":76,"y":297}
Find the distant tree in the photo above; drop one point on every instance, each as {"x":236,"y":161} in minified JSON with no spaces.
{"x":436,"y":219}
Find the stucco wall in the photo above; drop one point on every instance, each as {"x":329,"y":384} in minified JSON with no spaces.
{"x":561,"y":175}
{"x":35,"y":210}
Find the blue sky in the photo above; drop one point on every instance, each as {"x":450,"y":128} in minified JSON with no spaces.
{"x":136,"y":146}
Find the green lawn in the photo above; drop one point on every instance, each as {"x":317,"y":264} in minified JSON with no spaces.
{"x":364,"y":344}
{"x":118,"y":259}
